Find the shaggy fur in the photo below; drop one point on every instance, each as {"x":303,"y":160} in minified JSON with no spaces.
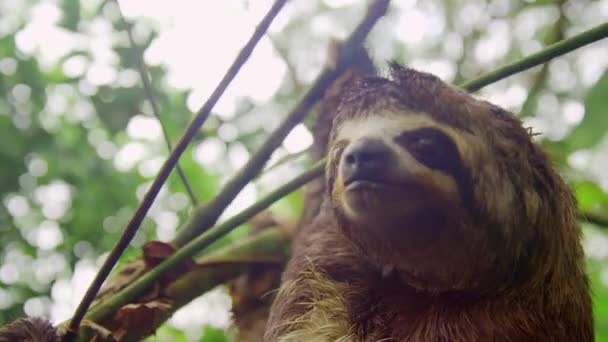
{"x":490,"y":254}
{"x":29,"y":330}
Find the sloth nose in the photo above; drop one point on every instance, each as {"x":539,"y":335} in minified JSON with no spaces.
{"x":365,"y":159}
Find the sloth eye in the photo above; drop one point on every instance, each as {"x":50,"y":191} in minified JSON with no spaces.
{"x":432,"y":148}
{"x":425,"y":145}
{"x":436,"y":150}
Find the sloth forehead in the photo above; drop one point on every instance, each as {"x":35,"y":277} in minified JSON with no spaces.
{"x":389,"y":124}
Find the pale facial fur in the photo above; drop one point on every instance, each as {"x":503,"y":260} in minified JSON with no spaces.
{"x":388,"y":125}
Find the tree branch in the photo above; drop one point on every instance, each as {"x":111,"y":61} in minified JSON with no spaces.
{"x":194,"y":126}
{"x":543,"y":56}
{"x":149,"y":91}
{"x":594,"y":218}
{"x":269,"y":247}
{"x":206,"y":216}
{"x":127,"y":294}
{"x":284,"y":160}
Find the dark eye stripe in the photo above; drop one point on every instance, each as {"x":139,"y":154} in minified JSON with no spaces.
{"x":432,"y":148}
{"x":437,"y":151}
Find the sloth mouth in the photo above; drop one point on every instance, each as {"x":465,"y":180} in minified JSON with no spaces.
{"x":365,"y":184}
{"x":385,"y":187}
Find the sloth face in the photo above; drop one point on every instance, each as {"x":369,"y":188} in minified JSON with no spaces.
{"x":394,"y":166}
{"x":444,"y":187}
{"x":401,"y":187}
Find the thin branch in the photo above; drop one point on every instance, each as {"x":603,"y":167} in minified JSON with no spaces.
{"x":538,"y":84}
{"x":552,"y":51}
{"x":284,"y":160}
{"x":189,"y":250}
{"x":594,"y":218}
{"x":206,"y":216}
{"x":149,"y":91}
{"x":145,"y":205}
{"x":230,"y":260}
{"x":267,"y":248}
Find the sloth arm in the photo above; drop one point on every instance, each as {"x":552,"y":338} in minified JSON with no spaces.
{"x":314,"y":282}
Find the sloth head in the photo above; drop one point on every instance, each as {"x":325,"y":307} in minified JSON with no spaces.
{"x":448,"y":190}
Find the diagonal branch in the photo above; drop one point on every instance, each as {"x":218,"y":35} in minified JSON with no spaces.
{"x":206,"y":216}
{"x":268,"y":248}
{"x":285,"y":160}
{"x":149,"y":91}
{"x":594,"y":218}
{"x":145,"y":205}
{"x":543,"y":56}
{"x":127,"y":294}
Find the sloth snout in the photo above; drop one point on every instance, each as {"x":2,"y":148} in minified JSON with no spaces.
{"x":365,"y":160}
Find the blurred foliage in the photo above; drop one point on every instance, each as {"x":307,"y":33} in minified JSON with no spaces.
{"x":74,"y":163}
{"x":594,"y":125}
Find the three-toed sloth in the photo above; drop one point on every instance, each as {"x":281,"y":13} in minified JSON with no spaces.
{"x":442,"y":221}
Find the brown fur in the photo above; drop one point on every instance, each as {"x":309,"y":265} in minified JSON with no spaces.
{"x":508,"y":266}
{"x":29,"y":330}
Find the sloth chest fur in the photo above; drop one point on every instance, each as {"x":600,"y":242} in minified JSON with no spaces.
{"x":381,"y":314}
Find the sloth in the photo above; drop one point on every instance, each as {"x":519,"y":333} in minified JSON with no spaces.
{"x":441,"y":221}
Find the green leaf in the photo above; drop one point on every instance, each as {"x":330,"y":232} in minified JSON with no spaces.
{"x":595,"y":123}
{"x":590,"y":196}
{"x":211,"y":334}
{"x":597,"y":275}
{"x":7,"y":46}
